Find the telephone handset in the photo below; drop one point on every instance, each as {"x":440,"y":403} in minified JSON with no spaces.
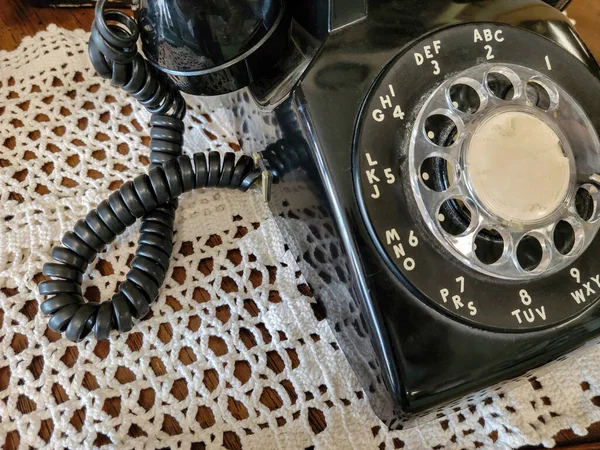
{"x":437,"y":178}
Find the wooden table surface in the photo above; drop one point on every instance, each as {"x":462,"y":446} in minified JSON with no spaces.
{"x":18,"y":20}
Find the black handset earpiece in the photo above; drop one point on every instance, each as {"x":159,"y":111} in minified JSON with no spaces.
{"x":214,"y":47}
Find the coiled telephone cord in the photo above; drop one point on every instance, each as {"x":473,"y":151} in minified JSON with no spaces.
{"x":151,"y":197}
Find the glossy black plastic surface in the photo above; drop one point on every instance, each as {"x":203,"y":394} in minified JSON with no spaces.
{"x":408,"y":356}
{"x":189,"y":36}
{"x":560,"y":4}
{"x":212,"y":47}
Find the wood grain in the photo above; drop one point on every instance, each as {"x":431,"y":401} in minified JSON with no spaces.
{"x":18,"y":20}
{"x":586,"y":14}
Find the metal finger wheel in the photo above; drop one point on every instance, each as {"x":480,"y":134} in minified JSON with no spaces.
{"x":502,"y":170}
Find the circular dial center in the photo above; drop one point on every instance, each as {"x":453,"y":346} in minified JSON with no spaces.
{"x":517,"y":167}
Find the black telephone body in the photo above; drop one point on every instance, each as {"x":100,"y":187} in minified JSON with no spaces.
{"x":349,"y":83}
{"x":436,"y":176}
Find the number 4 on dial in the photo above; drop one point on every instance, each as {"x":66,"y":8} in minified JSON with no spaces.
{"x":398,"y":114}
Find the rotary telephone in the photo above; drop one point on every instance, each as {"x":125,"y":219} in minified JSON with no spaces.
{"x":437,"y":176}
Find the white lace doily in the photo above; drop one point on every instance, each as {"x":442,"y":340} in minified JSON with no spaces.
{"x":233,"y":355}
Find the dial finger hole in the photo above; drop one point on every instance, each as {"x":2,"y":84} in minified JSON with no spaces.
{"x":538,"y":95}
{"x":564,"y":237}
{"x":489,"y":246}
{"x":500,"y":85}
{"x":441,"y":130}
{"x":439,"y":174}
{"x":529,"y":253}
{"x":585,"y":204}
{"x":455,"y":216}
{"x":465,"y":98}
